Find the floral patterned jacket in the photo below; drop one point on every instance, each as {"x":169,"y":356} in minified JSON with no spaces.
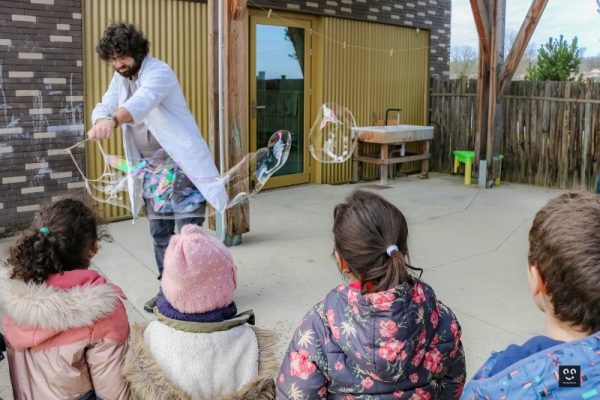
{"x":398,"y":344}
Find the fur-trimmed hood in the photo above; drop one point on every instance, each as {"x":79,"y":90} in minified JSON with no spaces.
{"x":35,"y":313}
{"x":148,"y":381}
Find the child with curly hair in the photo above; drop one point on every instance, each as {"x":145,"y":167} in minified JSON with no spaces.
{"x":65,"y":326}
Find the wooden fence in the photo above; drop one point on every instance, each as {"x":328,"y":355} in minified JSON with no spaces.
{"x":551,"y":130}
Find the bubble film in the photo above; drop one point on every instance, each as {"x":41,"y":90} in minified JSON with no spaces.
{"x":167,"y":190}
{"x":251,"y":174}
{"x":332,"y":138}
{"x":110,"y":187}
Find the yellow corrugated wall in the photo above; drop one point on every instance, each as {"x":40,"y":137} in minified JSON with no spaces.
{"x":368,"y":82}
{"x":178,"y":35}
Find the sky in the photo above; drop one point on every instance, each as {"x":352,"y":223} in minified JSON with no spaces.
{"x":567,"y":17}
{"x":273,"y":52}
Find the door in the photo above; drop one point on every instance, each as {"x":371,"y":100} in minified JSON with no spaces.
{"x":280,"y":91}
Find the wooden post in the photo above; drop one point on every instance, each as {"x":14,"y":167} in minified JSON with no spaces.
{"x":235,"y":82}
{"x":213,"y":89}
{"x":236,"y":123}
{"x":563,"y":126}
{"x":495,"y":112}
{"x":482,"y":16}
{"x":495,"y":75}
{"x":587,"y":127}
{"x":483,"y":89}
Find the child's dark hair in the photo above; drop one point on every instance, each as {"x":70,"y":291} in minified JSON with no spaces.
{"x":564,"y":244}
{"x":122,"y":39}
{"x":58,"y":240}
{"x":364,"y":226}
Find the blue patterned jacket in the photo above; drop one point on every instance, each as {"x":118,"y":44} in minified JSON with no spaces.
{"x":536,"y":377}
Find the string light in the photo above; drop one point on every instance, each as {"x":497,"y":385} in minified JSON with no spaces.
{"x":344,"y":44}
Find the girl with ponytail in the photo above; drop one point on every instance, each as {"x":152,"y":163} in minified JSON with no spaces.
{"x":65,"y":326}
{"x":383,"y":335}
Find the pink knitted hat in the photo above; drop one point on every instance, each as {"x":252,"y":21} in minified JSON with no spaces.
{"x":199,"y":274}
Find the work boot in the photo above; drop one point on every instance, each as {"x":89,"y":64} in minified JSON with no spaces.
{"x":150,"y":304}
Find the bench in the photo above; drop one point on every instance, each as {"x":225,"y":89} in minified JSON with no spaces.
{"x":390,"y":135}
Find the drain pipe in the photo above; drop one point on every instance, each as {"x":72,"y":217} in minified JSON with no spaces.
{"x":220,"y":220}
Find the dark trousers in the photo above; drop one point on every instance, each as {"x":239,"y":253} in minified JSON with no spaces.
{"x":162,"y":230}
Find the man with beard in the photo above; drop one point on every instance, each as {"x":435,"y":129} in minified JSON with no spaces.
{"x":146,"y":100}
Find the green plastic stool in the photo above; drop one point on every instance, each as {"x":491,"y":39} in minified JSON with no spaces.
{"x":467,"y":157}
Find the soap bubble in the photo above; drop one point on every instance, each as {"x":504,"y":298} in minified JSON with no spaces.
{"x":168,"y":192}
{"x":251,"y":174}
{"x":332,"y":138}
{"x":110,"y":187}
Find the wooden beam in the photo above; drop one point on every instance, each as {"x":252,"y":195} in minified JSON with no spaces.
{"x":235,"y":88}
{"x":213,"y":89}
{"x":237,"y":105}
{"x":236,"y":7}
{"x":482,"y":17}
{"x":483,"y":20}
{"x":587,"y":130}
{"x":518,"y":48}
{"x":483,"y":88}
{"x":495,"y":106}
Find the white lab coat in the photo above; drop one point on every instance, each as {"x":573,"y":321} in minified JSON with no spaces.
{"x":160,"y":104}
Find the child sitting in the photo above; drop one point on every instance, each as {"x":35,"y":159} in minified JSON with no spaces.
{"x":384,"y":335}
{"x":198,"y":347}
{"x":564,"y":277}
{"x":65,"y":326}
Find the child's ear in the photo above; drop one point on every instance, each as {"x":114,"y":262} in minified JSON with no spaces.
{"x":342,"y":264}
{"x":345,"y":268}
{"x":536,"y":283}
{"x":94,"y":247}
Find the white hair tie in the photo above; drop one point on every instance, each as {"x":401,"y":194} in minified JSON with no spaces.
{"x":391,"y":249}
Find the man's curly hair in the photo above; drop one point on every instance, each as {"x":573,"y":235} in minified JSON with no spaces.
{"x":121,"y":39}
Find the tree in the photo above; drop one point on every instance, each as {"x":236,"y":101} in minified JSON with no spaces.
{"x":463,"y":61}
{"x":557,"y":61}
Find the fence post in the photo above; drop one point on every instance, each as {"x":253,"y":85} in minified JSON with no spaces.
{"x":587,"y":120}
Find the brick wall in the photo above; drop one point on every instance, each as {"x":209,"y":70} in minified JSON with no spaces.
{"x":432,"y":15}
{"x":41,"y":105}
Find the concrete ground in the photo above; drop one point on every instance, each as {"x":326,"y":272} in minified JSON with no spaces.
{"x":472,"y":244}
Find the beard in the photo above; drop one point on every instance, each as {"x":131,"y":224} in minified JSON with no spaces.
{"x":131,"y":70}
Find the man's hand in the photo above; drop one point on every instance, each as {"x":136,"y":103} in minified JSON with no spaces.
{"x":103,"y":129}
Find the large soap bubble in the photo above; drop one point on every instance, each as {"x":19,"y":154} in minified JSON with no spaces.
{"x":167,"y":191}
{"x":251,"y":174}
{"x":332,"y":138}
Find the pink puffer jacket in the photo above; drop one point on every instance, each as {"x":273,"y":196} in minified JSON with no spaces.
{"x":66,"y":338}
